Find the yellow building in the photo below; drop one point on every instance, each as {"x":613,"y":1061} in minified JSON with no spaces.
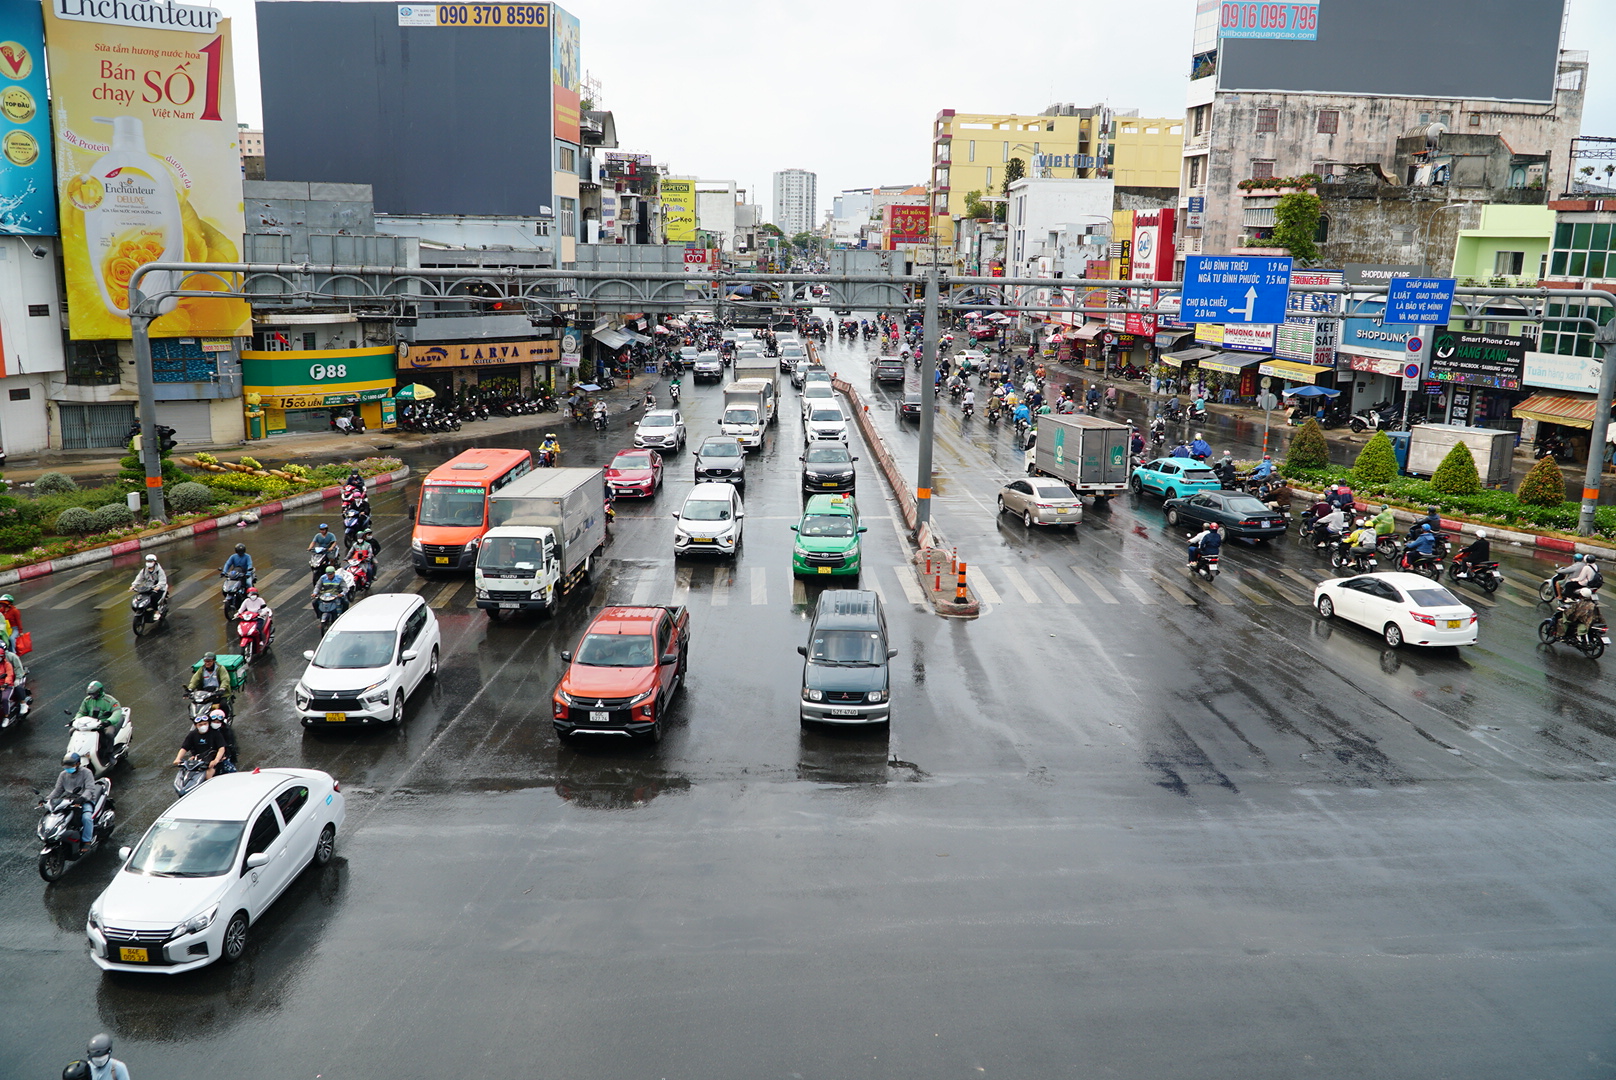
{"x":970,"y":152}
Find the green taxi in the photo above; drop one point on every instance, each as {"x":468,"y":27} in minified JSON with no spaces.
{"x":827,"y":537}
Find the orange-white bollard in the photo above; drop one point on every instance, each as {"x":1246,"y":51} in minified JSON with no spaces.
{"x":959,"y":589}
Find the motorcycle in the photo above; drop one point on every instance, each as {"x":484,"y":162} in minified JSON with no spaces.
{"x":995,"y":411}
{"x":353,"y":522}
{"x":1551,"y":446}
{"x":599,"y":420}
{"x":254,"y":632}
{"x":1205,"y":566}
{"x":61,"y":829}
{"x":234,"y":589}
{"x":1419,"y":563}
{"x":967,"y":411}
{"x":673,"y":393}
{"x":1486,"y":574}
{"x":1374,"y":418}
{"x":86,"y":742}
{"x":319,"y":560}
{"x":329,"y":603}
{"x":1557,"y":629}
{"x":148,"y":611}
{"x":1553,"y":587}
{"x":356,"y":575}
{"x":1343,"y":557}
{"x":189,"y":774}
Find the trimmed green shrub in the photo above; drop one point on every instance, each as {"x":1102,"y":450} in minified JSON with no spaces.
{"x":20,"y":537}
{"x":55,"y":483}
{"x":247,"y":484}
{"x":190,"y":497}
{"x":1308,"y":450}
{"x":1457,"y":474}
{"x":1377,"y":461}
{"x":1544,"y":485}
{"x":111,"y":516}
{"x":74,"y":521}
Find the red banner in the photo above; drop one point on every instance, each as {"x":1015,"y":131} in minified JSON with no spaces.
{"x":906,"y":225}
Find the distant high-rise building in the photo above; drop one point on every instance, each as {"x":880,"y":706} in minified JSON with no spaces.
{"x":796,"y":200}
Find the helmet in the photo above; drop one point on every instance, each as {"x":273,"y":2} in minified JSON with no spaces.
{"x":1213,"y":526}
{"x":1385,"y":507}
{"x":100,"y":1045}
{"x":252,"y":590}
{"x":8,"y":598}
{"x":208,"y":656}
{"x":1435,"y":510}
{"x":94,"y":689}
{"x":1579,"y":558}
{"x":324,"y":526}
{"x":76,"y":1070}
{"x":1481,"y":534}
{"x":241,"y":549}
{"x":1425,"y":527}
{"x":70,"y":759}
{"x":151,"y":559}
{"x":549,"y":435}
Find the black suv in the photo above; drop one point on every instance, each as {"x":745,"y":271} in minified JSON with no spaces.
{"x":844,"y":670}
{"x":721,"y":458}
{"x":827,"y":466}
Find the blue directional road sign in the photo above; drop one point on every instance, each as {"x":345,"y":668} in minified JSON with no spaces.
{"x":1235,"y":289}
{"x":1419,"y":300}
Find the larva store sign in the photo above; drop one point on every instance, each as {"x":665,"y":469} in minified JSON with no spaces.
{"x":148,"y":167}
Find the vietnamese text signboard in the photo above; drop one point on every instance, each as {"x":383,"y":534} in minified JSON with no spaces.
{"x":1235,"y":288}
{"x":1295,"y":21}
{"x":1491,"y":360}
{"x":1420,"y":300}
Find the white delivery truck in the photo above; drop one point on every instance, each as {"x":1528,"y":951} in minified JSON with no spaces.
{"x":546,"y":531}
{"x":746,"y":412}
{"x":757,"y":371}
{"x":1089,"y":453}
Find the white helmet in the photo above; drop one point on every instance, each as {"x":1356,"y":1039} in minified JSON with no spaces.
{"x":1481,"y":534}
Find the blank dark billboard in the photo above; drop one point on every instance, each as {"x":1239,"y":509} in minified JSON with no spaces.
{"x":1507,"y":50}
{"x":438,"y":120}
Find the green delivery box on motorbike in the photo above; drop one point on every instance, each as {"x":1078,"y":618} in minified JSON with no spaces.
{"x":233,"y":664}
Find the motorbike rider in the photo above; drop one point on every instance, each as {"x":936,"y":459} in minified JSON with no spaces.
{"x":12,"y":617}
{"x":650,"y":399}
{"x":203,"y":743}
{"x":1022,"y":415}
{"x":1137,"y":443}
{"x":103,"y":1066}
{"x":327,"y":581}
{"x":1205,"y":544}
{"x":1264,"y":468}
{"x":1225,"y":470}
{"x":325,"y":543}
{"x":1586,"y":575}
{"x":550,"y":448}
{"x":1433,"y":518}
{"x":219,"y":727}
{"x":254,"y":604}
{"x":1423,"y":544}
{"x":1385,"y":521}
{"x":1341,"y":495}
{"x":1361,"y":541}
{"x":969,"y":400}
{"x":1200,"y":449}
{"x":151,"y":576}
{"x":75,"y":782}
{"x":1479,"y":551}
{"x":600,"y":412}
{"x":1329,"y":526}
{"x":1180,"y":450}
{"x":210,"y":676}
{"x":241,"y":561}
{"x":102,"y":706}
{"x":1110,"y":397}
{"x":1093,"y":398}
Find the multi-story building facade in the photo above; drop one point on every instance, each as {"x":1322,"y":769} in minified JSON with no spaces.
{"x":970,"y":152}
{"x":1338,"y":105}
{"x":796,"y":201}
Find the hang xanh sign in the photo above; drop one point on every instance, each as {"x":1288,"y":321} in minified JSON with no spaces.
{"x":480,"y":354}
{"x":1492,"y":360}
{"x":320,"y":377}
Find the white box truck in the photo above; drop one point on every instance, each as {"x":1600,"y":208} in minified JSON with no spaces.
{"x":753,"y":370}
{"x":546,"y":531}
{"x":746,"y":412}
{"x":1088,"y":453}
{"x":1494,"y":450}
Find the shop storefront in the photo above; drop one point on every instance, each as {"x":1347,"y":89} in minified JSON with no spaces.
{"x":1292,"y":372}
{"x":303,"y":390}
{"x":1233,"y":376}
{"x":481,"y":368}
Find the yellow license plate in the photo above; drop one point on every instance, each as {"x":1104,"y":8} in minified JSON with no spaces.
{"x":335,"y":717}
{"x":1454,"y":624}
{"x":441,"y":559}
{"x":824,"y":569}
{"x":133,"y":956}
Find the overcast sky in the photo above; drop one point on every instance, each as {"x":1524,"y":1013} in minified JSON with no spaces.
{"x":735,"y":89}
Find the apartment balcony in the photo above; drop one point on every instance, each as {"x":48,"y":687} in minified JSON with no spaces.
{"x":1189,"y":245}
{"x":1193,"y":143}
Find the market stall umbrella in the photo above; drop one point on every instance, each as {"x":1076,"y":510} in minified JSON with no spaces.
{"x":1312,"y":391}
{"x":588,"y":387}
{"x":662,"y":330}
{"x":416,"y":392}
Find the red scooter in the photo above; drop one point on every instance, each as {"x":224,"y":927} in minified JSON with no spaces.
{"x":255,"y":633}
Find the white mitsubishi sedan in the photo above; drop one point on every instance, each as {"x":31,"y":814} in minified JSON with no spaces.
{"x":1404,"y":609}
{"x":210,"y":866}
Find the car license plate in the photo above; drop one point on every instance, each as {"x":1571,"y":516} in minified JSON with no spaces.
{"x":828,"y":483}
{"x":133,"y":956}
{"x":509,"y":607}
{"x":335,"y":717}
{"x":702,"y":540}
{"x":600,"y":718}
{"x":844,"y":712}
{"x":441,"y":559}
{"x":1062,"y":511}
{"x":824,"y":569}
{"x":1454,"y":624}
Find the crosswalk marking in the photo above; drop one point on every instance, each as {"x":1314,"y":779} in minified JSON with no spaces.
{"x":722,"y":581}
{"x":799,"y":592}
{"x":1133,"y":587}
{"x":1201,"y":584}
{"x":269,"y":578}
{"x":205,"y":596}
{"x":907,"y":582}
{"x":1017,"y":583}
{"x":760,"y":585}
{"x":72,"y":580}
{"x":644,"y":588}
{"x":1094,"y":583}
{"x":1173,"y":590}
{"x":681,"y":585}
{"x":1298,"y":578}
{"x":1067,"y":595}
{"x":1283,"y":590}
{"x":442,"y":598}
{"x":1248,"y":592}
{"x":984,"y":588}
{"x":290,"y":593}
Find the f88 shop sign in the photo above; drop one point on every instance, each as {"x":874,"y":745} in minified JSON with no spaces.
{"x":1280,"y":22}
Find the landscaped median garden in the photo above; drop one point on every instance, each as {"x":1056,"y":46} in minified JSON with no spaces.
{"x":1540,"y":504}
{"x":55,"y":516}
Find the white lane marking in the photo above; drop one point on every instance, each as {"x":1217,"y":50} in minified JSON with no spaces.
{"x":1173,"y":590}
{"x":645,"y":588}
{"x":1206,"y":588}
{"x":269,"y":578}
{"x":910,"y":587}
{"x":443,"y":596}
{"x":72,"y":580}
{"x":799,"y":592}
{"x":723,"y":580}
{"x":760,"y":585}
{"x":1283,"y":590}
{"x":681,"y":585}
{"x":1057,"y":585}
{"x":286,"y":595}
{"x":979,"y":581}
{"x":1299,"y":579}
{"x":1094,"y":583}
{"x":1020,"y":585}
{"x":1133,"y":587}
{"x":1247,"y":591}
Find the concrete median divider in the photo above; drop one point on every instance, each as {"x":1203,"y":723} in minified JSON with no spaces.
{"x":952,"y":597}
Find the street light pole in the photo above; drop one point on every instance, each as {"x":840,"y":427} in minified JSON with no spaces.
{"x":151,"y":441}
{"x":1594,"y":474}
{"x":928,"y":400}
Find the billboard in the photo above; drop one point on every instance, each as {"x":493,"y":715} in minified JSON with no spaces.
{"x":481,"y":354}
{"x":566,"y":73}
{"x":906,"y":225}
{"x":27,"y":181}
{"x":418,"y":119}
{"x":1295,"y":21}
{"x":1500,"y":50}
{"x":678,"y":211}
{"x":1494,"y":360}
{"x":147,"y":163}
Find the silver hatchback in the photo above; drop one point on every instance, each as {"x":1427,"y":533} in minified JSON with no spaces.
{"x":1039,"y":500}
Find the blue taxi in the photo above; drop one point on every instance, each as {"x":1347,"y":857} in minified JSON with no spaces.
{"x":1171,"y":477}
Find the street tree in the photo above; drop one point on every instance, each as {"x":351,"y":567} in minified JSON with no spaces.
{"x":1457,"y":474}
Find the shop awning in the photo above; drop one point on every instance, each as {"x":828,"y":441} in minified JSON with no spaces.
{"x":1566,"y":409}
{"x":638,"y":339}
{"x":1292,"y":370}
{"x":1166,"y":339}
{"x":612,"y":339}
{"x":1232,"y":363}
{"x":1087,"y":332}
{"x":1178,"y":359}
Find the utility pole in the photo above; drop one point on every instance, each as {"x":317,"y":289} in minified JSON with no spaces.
{"x":151,"y":442}
{"x":1606,"y":336}
{"x":928,"y":399}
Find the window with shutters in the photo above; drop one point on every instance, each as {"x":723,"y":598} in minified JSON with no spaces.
{"x":1267,"y":120}
{"x":1262,"y":170}
{"x":1329,"y":121}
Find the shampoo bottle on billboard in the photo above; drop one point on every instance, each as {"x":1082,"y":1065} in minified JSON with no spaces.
{"x":131,"y":216}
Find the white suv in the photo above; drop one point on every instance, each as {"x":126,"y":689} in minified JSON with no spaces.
{"x":826,"y":421}
{"x":368,"y":663}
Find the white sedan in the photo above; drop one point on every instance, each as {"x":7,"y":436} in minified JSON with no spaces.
{"x":1405,"y":609}
{"x":210,"y":866}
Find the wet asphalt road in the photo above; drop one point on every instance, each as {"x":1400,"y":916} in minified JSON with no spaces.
{"x":1121,"y":825}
